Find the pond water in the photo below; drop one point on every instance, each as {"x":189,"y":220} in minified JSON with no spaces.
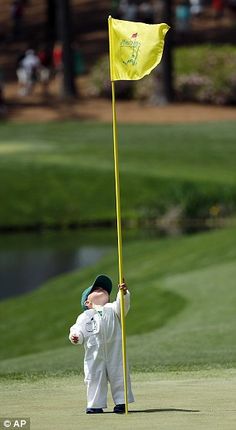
{"x":29,"y":260}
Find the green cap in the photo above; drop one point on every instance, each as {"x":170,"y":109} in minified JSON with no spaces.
{"x":102,"y":281}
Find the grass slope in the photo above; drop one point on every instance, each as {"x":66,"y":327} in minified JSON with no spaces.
{"x":63,"y":173}
{"x":201,"y":400}
{"x":182,"y":315}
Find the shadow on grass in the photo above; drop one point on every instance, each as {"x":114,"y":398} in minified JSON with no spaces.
{"x":157,"y":410}
{"x":163,"y":410}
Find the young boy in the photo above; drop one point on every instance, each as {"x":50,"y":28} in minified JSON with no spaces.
{"x":98,"y":328}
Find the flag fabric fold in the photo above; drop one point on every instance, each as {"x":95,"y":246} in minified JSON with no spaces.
{"x":135,"y":48}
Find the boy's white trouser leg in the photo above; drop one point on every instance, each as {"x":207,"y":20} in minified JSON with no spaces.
{"x":116,"y":379}
{"x":97,"y":388}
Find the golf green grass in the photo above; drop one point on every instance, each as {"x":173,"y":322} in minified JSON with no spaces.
{"x":62,"y":173}
{"x":182,"y":315}
{"x":199,"y":400}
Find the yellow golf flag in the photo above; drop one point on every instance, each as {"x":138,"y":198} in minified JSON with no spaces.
{"x":135,"y":48}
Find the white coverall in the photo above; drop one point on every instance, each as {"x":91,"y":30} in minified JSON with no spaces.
{"x":100,"y":332}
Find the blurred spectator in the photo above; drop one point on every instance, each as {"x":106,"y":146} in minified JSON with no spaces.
{"x":20,"y":73}
{"x":146,"y":12}
{"x":45,"y":59}
{"x":57,"y":58}
{"x":17,"y":9}
{"x":182,"y":15}
{"x":218,"y":8}
{"x":79,"y":63}
{"x":57,"y":62}
{"x":27,"y":71}
{"x":196,"y":7}
{"x":3,"y":108}
{"x":128,"y":10}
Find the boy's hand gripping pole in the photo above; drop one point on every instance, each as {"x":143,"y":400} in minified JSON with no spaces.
{"x":119,"y":239}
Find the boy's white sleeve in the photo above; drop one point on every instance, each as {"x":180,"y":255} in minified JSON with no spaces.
{"x":116,"y":304}
{"x":75,"y":330}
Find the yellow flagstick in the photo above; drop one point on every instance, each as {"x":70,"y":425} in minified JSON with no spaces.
{"x":118,"y":220}
{"x":151,"y":40}
{"x":119,"y":238}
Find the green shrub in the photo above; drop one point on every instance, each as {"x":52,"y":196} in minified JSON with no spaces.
{"x":206,"y":74}
{"x":203,"y":74}
{"x":99,"y":81}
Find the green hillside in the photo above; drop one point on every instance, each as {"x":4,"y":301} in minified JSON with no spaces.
{"x":66,"y":172}
{"x":182,"y":314}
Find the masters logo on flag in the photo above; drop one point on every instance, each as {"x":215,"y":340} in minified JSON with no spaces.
{"x":129,"y":50}
{"x":135,"y":48}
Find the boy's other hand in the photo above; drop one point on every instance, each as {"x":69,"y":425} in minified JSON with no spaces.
{"x":75,"y":338}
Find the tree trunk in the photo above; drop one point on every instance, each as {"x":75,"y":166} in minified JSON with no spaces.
{"x":51,"y":22}
{"x":65,"y":36}
{"x":164,"y":73}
